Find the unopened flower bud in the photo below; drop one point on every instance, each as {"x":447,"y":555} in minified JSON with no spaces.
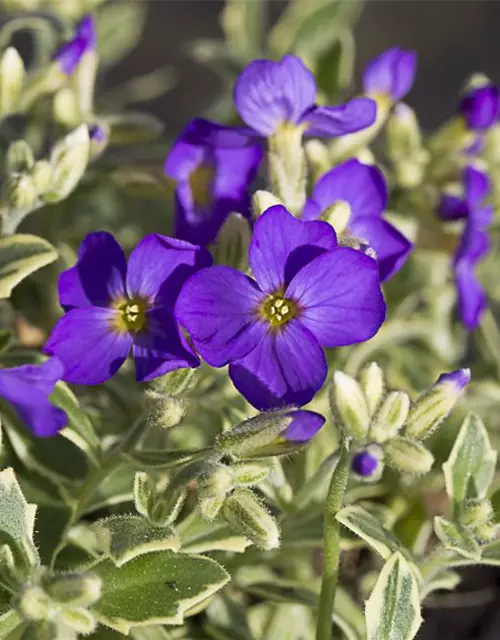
{"x":368,"y":463}
{"x":11,"y":80}
{"x":231,"y":248}
{"x":20,"y":158}
{"x":486,"y":532}
{"x":69,"y":160}
{"x":270,"y":433}
{"x":210,"y":507}
{"x":99,"y":139}
{"x":41,"y":175}
{"x":261,"y":201}
{"x":20,"y":193}
{"x":390,"y":417}
{"x":167,"y":411}
{"x":403,"y":133}
{"x":66,"y":108}
{"x":144,"y":491}
{"x":174,"y":383}
{"x":249,"y":473}
{"x":79,"y":590}
{"x":318,"y":158}
{"x":433,"y":406}
{"x":348,"y":402}
{"x":480,"y":103}
{"x":216,"y":482}
{"x":34,"y":603}
{"x":337,"y":215}
{"x":246,"y":513}
{"x":408,"y":456}
{"x":371,"y":379}
{"x":69,"y":55}
{"x":79,"y":620}
{"x":476,"y":513}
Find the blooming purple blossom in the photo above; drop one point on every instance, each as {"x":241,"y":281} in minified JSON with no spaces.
{"x":28,"y":388}
{"x":391,"y":74}
{"x":211,"y":182}
{"x":70,"y":54}
{"x":113,"y":307}
{"x":480,"y":107}
{"x":364,"y":463}
{"x":363,"y":190}
{"x":308,"y":293}
{"x":272,"y":96}
{"x":474,"y":244}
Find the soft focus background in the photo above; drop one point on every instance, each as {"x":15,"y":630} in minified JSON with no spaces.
{"x":453,"y":40}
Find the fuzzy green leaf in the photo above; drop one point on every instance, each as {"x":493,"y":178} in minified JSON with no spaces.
{"x":469,"y":470}
{"x":156,"y":588}
{"x":444,"y":580}
{"x":9,"y":621}
{"x":125,"y":537}
{"x":458,"y":538}
{"x":200,"y":536}
{"x":393,"y":610}
{"x":17,"y":517}
{"x":21,"y":255}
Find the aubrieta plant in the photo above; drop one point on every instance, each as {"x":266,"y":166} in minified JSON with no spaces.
{"x":231,"y":362}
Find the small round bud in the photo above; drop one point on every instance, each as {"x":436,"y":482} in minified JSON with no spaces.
{"x":408,"y":456}
{"x":348,"y":402}
{"x":368,"y":463}
{"x":210,"y":507}
{"x":216,"y":483}
{"x":476,"y":513}
{"x":246,"y":513}
{"x":390,"y":417}
{"x":486,"y":532}
{"x":74,"y":588}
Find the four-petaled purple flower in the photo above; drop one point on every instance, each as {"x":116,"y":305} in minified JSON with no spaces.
{"x":480,"y":107}
{"x":271,"y":96}
{"x":474,"y":244}
{"x":360,"y":191}
{"x":308,"y":293}
{"x":70,"y":54}
{"x":211,"y":182}
{"x":391,"y":74}
{"x":113,"y":307}
{"x":28,"y":388}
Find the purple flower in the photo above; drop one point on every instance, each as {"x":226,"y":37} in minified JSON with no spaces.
{"x":113,"y":307}
{"x":70,"y":54}
{"x":308,"y":293}
{"x":459,"y":379}
{"x":364,"y":463}
{"x":270,"y":96}
{"x":305,"y":425}
{"x":211,"y":183}
{"x":390,"y":74}
{"x":364,"y":190}
{"x":480,"y":107}
{"x":28,"y":389}
{"x":474,"y":244}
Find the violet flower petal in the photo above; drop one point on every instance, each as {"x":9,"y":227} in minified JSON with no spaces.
{"x":340,"y":298}
{"x":329,"y":122}
{"x":391,"y":73}
{"x":282,"y":245}
{"x":87,"y":343}
{"x":304,"y":427}
{"x":288,"y":367}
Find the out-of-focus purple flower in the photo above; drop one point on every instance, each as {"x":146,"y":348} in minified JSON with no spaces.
{"x":271,"y":96}
{"x":364,"y":190}
{"x":97,"y":133}
{"x":308,"y":293}
{"x":113,"y":307}
{"x":70,"y":54}
{"x":391,"y":74}
{"x":474,"y":244}
{"x":211,"y":182}
{"x":480,"y":106}
{"x":364,"y":463}
{"x":28,"y":388}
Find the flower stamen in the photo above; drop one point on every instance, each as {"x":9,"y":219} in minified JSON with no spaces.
{"x":278,"y":310}
{"x":132,"y":315}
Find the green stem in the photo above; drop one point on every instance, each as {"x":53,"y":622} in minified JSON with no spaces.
{"x":96,"y":476}
{"x":331,"y":543}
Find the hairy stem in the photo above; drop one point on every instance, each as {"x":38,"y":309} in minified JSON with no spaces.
{"x":331,"y":543}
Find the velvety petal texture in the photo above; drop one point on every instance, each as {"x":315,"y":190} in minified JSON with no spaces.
{"x":70,"y":54}
{"x":330,"y":122}
{"x":307,"y":292}
{"x":480,"y":107}
{"x":112,"y":307}
{"x":28,"y":388}
{"x":269,"y":93}
{"x":364,"y":189}
{"x":392,"y":73}
{"x":211,"y":182}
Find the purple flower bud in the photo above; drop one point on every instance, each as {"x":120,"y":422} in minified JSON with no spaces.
{"x":305,"y":425}
{"x":480,"y":107}
{"x":459,"y":379}
{"x":391,"y":73}
{"x":70,"y":54}
{"x":97,"y":134}
{"x":365,"y":464}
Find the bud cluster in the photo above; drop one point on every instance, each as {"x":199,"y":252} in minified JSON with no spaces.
{"x":386,"y":426}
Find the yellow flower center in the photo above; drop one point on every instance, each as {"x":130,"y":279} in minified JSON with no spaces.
{"x":132,"y":315}
{"x":200,"y":182}
{"x":278,"y":310}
